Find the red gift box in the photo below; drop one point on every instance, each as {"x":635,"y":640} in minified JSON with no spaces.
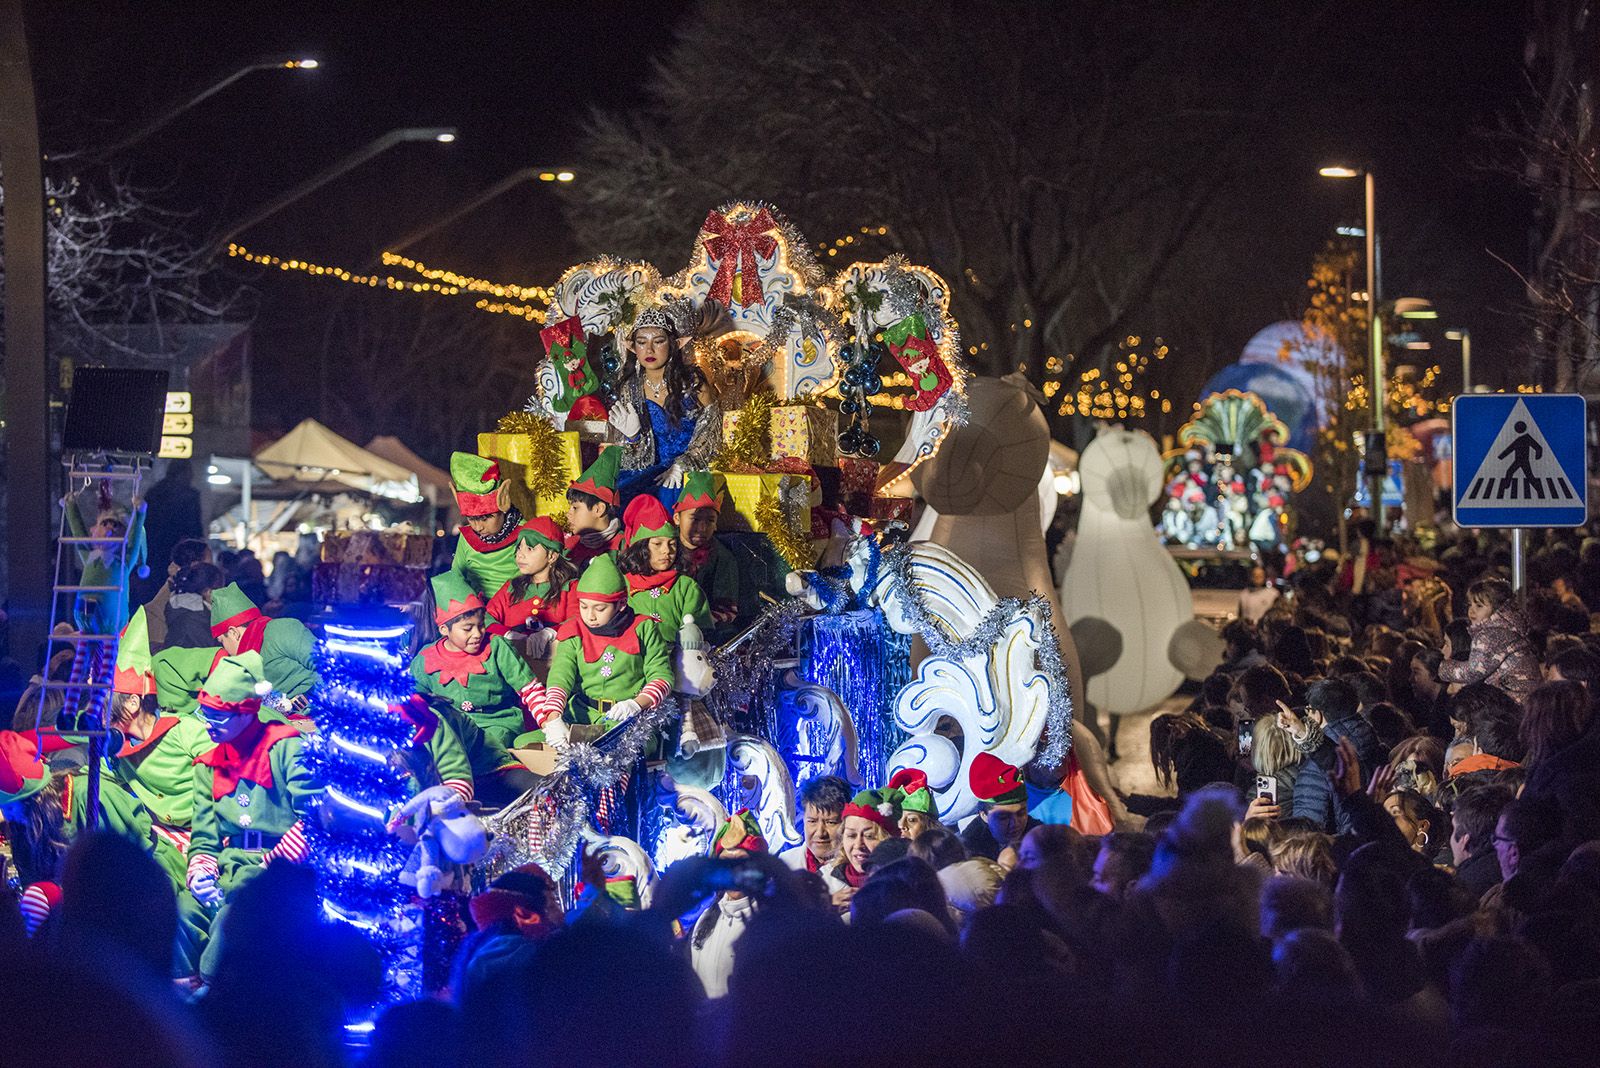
{"x":857,"y":475}
{"x":885,"y":509}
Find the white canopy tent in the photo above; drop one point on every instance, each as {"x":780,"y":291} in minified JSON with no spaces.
{"x":313,"y":459}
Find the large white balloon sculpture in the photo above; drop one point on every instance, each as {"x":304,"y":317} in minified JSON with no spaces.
{"x":1120,"y":574}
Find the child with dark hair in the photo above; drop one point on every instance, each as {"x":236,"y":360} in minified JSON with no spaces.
{"x":656,"y":567}
{"x":539,"y":598}
{"x":1502,"y":654}
{"x":187,"y":612}
{"x":594,"y":510}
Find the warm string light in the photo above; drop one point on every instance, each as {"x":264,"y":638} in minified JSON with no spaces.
{"x":541,"y":294}
{"x":832,"y":248}
{"x":340,"y":274}
{"x":1101,"y":395}
{"x":521,"y":311}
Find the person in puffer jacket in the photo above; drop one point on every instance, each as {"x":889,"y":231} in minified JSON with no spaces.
{"x":1502,"y":654}
{"x":1329,"y":715}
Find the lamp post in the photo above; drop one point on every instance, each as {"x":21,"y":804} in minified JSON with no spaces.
{"x":466,"y":207}
{"x":442,"y":134}
{"x":1377,"y":465}
{"x":266,"y":63}
{"x":1465,"y":337}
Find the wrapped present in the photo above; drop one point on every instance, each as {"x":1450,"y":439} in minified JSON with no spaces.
{"x":378,"y":547}
{"x":857,"y":475}
{"x":538,"y":488}
{"x":367,"y":584}
{"x":857,"y":504}
{"x":730,"y":423}
{"x":746,"y":491}
{"x":805,"y":432}
{"x":885,"y":509}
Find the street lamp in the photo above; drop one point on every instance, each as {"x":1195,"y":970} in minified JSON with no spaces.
{"x":473,"y":203}
{"x":294,"y":62}
{"x":1465,"y":337}
{"x":440,"y":135}
{"x":1377,"y":466}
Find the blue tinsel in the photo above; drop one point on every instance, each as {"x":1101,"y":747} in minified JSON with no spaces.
{"x":858,"y":657}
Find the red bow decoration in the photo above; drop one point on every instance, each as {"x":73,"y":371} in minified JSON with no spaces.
{"x":735,"y":246}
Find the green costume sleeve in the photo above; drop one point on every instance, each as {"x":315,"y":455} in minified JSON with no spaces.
{"x":449,"y":758}
{"x":720,"y":577}
{"x":694,"y":603}
{"x":138,"y":548}
{"x":419,"y":675}
{"x":287,"y":650}
{"x":204,"y":837}
{"x":509,"y":663}
{"x":564,"y":666}
{"x":657,"y":655}
{"x":297,"y":781}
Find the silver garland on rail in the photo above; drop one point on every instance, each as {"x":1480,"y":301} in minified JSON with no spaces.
{"x":896,"y":569}
{"x":543,"y":825}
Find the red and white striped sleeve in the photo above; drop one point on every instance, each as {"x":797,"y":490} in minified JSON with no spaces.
{"x":460,"y":786}
{"x":292,"y":847}
{"x":202,"y":864}
{"x":37,"y":901}
{"x":177,"y":836}
{"x":555,"y":703}
{"x":654,"y":693}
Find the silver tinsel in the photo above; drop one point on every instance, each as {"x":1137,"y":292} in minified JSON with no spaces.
{"x":543,"y":825}
{"x":896,"y":567}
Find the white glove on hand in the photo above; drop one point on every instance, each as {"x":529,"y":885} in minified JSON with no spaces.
{"x":203,"y":885}
{"x":626,"y":419}
{"x":556,"y":733}
{"x":674,"y":476}
{"x":540,"y":643}
{"x":624,"y":710}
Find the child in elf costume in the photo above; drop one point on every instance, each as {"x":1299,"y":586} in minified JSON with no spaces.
{"x":251,"y":791}
{"x":539,"y":598}
{"x":610,"y":661}
{"x":481,"y":686}
{"x":594,"y":520}
{"x":285,"y":645}
{"x":486,"y":552}
{"x":654,"y":563}
{"x":709,"y":561}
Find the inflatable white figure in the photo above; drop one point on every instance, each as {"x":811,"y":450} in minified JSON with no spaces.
{"x":765,"y":788}
{"x":622,"y":857}
{"x":1122,"y":575}
{"x":692,"y":666}
{"x":824,"y":735}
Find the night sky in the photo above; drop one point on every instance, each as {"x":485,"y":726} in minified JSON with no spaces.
{"x":1412,"y":87}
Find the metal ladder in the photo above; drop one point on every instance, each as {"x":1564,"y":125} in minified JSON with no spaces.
{"x":89,"y":683}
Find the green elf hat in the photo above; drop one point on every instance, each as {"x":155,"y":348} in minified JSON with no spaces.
{"x":879,"y":806}
{"x":541,"y":530}
{"x":599,"y":479}
{"x":453,"y":597}
{"x":476,"y":482}
{"x":624,"y":890}
{"x":134,"y":672}
{"x":699,"y":491}
{"x":231,"y":607}
{"x":23,"y":771}
{"x":601,"y":581}
{"x":913,"y":783}
{"x":994,"y":782}
{"x":740,"y":832}
{"x":236,"y":687}
{"x":647,"y":518}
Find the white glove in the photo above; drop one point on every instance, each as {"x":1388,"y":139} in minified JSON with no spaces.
{"x":556,"y":733}
{"x":624,"y":710}
{"x":626,"y":419}
{"x":674,"y":476}
{"x":540,"y":642}
{"x":203,"y":885}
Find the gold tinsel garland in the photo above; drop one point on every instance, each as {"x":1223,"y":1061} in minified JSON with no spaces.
{"x":791,"y":544}
{"x":749,"y":446}
{"x":543,"y":475}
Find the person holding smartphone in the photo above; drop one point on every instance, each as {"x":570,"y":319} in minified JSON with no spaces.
{"x":1329,"y":714}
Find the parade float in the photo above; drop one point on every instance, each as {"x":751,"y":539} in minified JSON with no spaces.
{"x":815,"y":673}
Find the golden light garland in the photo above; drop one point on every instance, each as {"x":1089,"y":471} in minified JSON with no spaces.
{"x":468,"y":282}
{"x":341,"y":274}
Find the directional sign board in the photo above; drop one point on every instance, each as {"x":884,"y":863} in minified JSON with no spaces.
{"x":1394,"y":494}
{"x":1520,"y":460}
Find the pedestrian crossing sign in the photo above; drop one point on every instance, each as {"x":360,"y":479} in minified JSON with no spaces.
{"x":1520,"y":460}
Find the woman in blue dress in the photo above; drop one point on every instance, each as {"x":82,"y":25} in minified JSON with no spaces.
{"x":665,"y":416}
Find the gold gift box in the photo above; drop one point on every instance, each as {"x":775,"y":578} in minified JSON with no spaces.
{"x":745,"y":492}
{"x":806,"y":432}
{"x":513,"y":451}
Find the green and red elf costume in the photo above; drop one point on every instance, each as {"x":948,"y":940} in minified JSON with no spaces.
{"x":667,"y":595}
{"x":286,"y":645}
{"x":490,"y":693}
{"x":23,"y":774}
{"x":487,"y":562}
{"x":579,"y":387}
{"x":105,"y":565}
{"x":251,"y":793}
{"x":536,"y":604}
{"x":604,"y":675}
{"x":711,"y":565}
{"x":599,"y":480}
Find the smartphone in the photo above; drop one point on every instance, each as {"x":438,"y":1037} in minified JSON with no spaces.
{"x":1267,"y":787}
{"x":1246,"y":733}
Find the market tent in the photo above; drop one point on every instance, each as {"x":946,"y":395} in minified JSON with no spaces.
{"x":434,"y":482}
{"x":313,"y":459}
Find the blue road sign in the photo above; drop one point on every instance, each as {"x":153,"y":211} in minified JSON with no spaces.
{"x":1520,"y":460}
{"x":1394,"y":494}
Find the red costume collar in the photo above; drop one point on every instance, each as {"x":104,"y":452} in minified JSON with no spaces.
{"x":452,"y":666}
{"x":246,"y":758}
{"x":163,"y":725}
{"x":661,"y":579}
{"x":479,"y":545}
{"x":594,"y":646}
